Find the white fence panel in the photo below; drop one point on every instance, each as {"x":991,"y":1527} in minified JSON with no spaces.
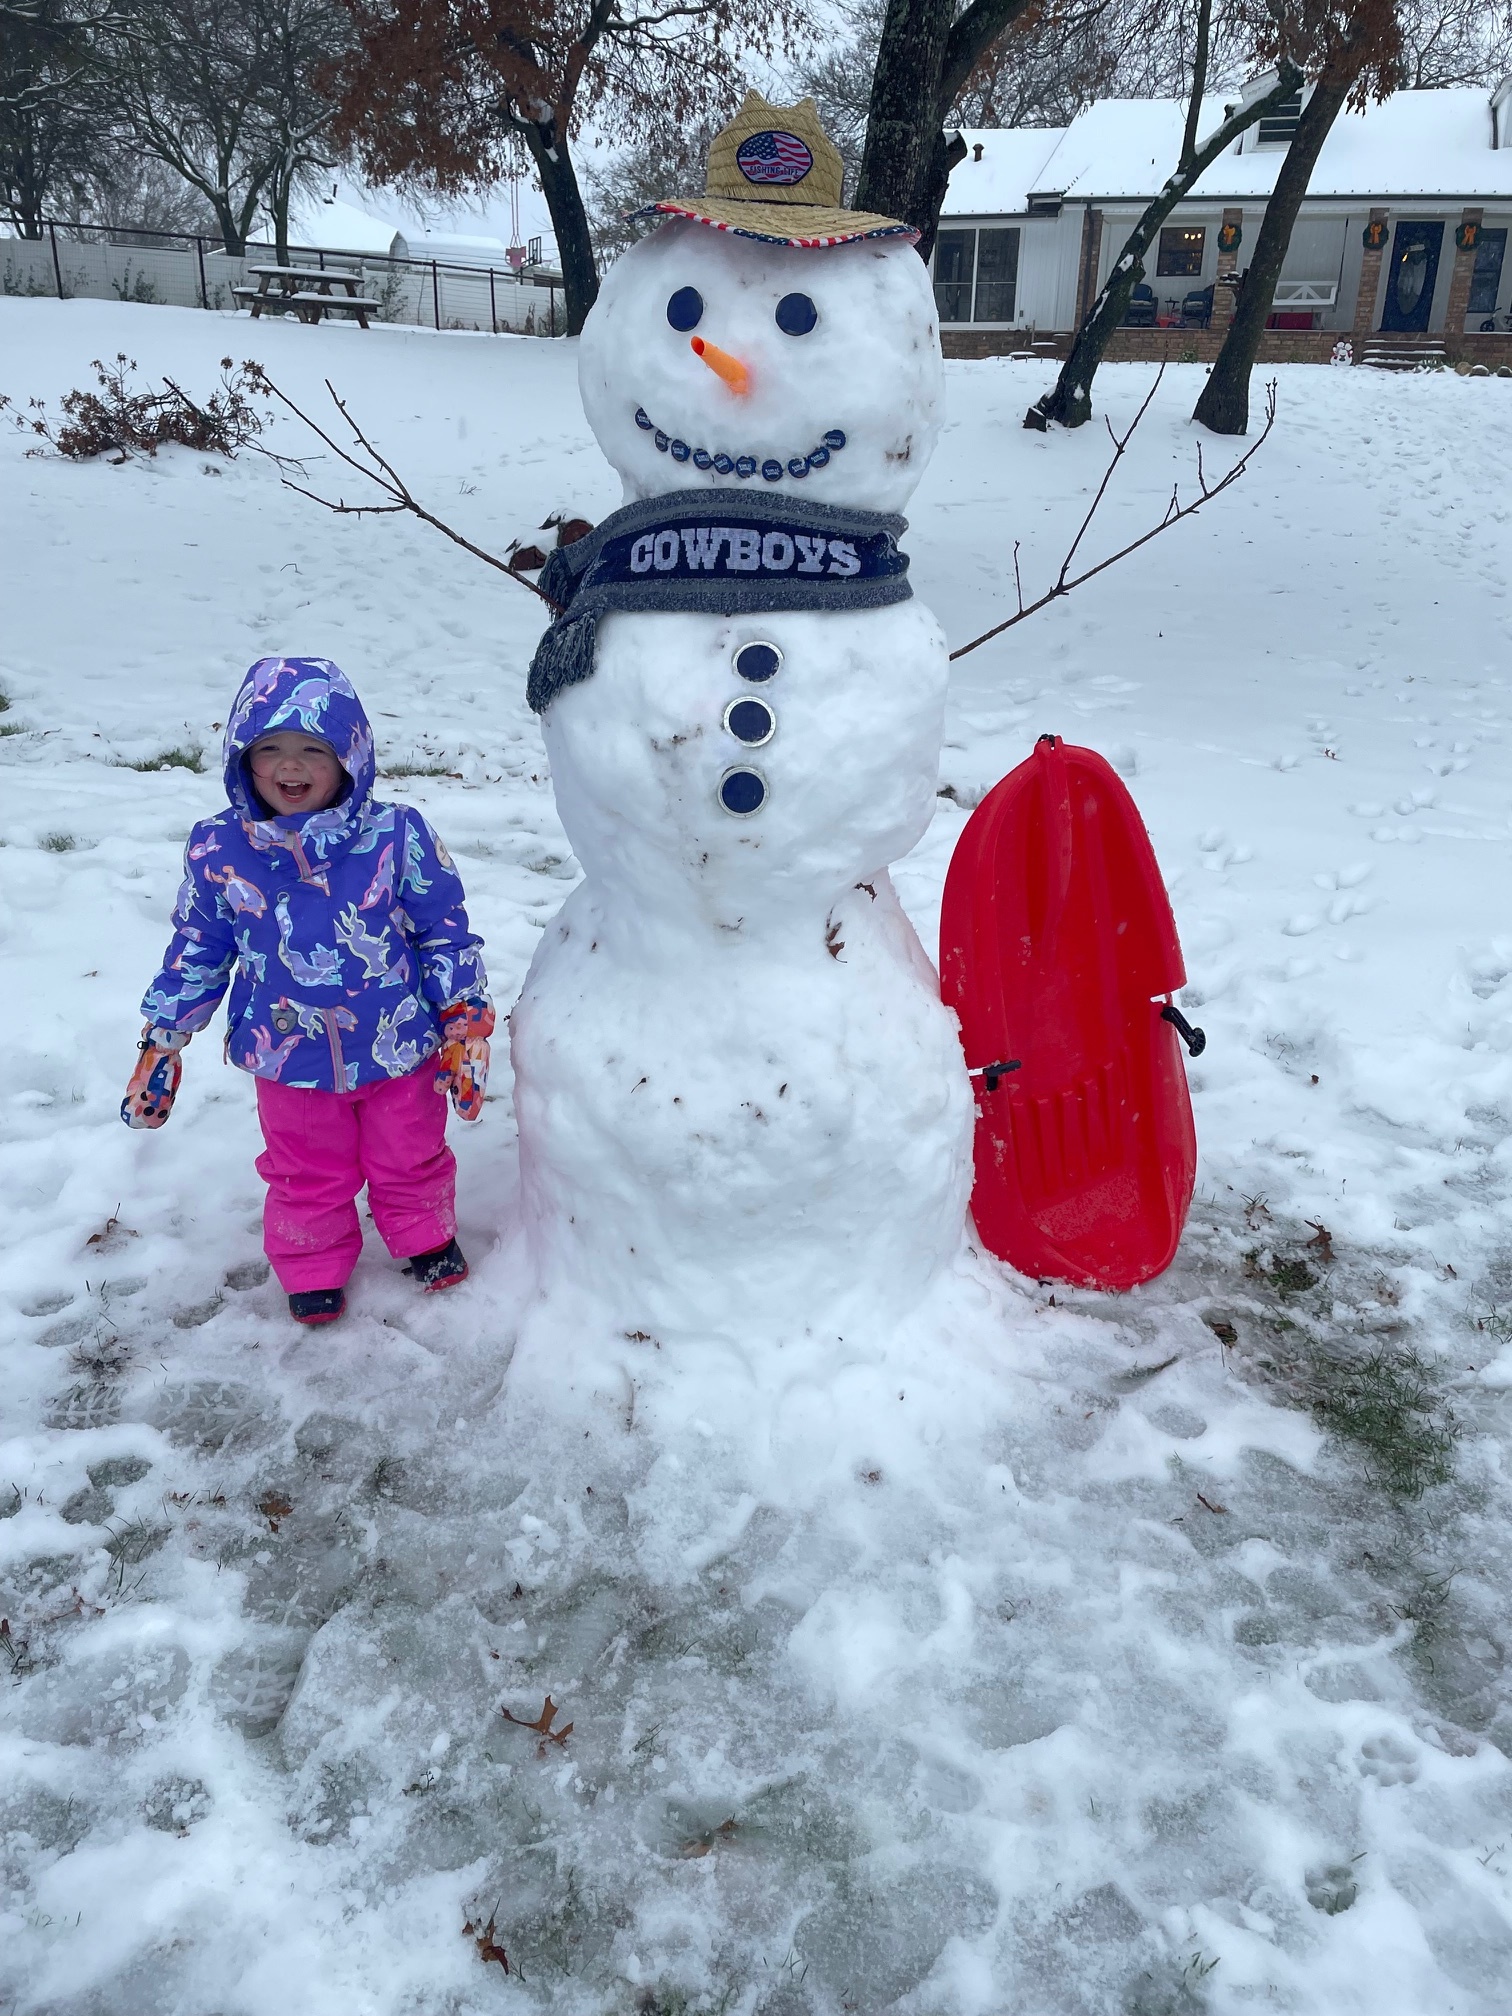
{"x":195,"y":276}
{"x":150,"y":274}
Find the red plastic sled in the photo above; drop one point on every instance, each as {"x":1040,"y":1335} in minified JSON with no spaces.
{"x":1058,"y":952}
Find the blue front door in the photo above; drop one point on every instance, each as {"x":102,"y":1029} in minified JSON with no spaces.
{"x":1414,"y":268}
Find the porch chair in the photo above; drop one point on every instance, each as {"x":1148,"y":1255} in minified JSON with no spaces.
{"x":1197,"y":308}
{"x":1140,"y":313}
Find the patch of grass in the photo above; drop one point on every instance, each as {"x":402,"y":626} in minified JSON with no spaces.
{"x":1390,"y":1406}
{"x":5,"y":701}
{"x":57,"y":843}
{"x":14,"y":728}
{"x":172,"y":759}
{"x":416,"y":770}
{"x":1287,"y":1274}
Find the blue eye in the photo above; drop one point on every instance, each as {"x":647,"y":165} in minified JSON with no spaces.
{"x":685,"y":309}
{"x":796,"y":314}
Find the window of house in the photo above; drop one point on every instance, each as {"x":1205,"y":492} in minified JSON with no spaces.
{"x":954,"y":268}
{"x":997,"y":276}
{"x":1485,"y":280}
{"x":976,"y":275}
{"x":1279,"y":126}
{"x":1180,"y":254}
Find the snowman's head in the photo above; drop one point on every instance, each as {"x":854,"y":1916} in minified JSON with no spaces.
{"x":716,"y":359}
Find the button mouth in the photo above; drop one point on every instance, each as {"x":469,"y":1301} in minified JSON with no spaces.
{"x":750,"y":721}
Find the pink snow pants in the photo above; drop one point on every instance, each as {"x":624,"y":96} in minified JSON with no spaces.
{"x":323,"y":1146}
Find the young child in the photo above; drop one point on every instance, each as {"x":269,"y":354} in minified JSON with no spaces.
{"x":354,"y":966}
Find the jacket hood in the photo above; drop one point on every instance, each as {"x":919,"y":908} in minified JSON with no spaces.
{"x":313,"y":696}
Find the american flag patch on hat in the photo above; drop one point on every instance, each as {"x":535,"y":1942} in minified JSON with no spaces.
{"x":774,"y":157}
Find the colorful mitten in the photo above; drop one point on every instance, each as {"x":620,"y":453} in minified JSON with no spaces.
{"x":463,"y":1057}
{"x":149,"y":1096}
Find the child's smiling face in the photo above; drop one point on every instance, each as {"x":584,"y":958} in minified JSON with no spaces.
{"x":295,"y":772}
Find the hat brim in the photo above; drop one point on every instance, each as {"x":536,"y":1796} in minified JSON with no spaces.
{"x":809,"y":226}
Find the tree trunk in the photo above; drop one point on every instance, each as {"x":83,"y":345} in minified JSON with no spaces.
{"x":278,"y":203}
{"x":899,"y":156}
{"x":923,"y":59}
{"x":1224,"y":404}
{"x":232,"y":236}
{"x":1069,"y":402}
{"x":569,"y":220}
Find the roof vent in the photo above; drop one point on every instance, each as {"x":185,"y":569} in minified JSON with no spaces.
{"x":976,"y":150}
{"x":1279,"y":126}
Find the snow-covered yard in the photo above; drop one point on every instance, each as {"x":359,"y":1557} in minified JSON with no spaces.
{"x":1083,"y":1661}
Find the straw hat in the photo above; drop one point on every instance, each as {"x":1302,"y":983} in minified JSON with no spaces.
{"x":774,"y":174}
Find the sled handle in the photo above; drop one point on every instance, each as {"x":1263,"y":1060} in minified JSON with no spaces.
{"x":992,"y":1074}
{"x":1194,"y":1039}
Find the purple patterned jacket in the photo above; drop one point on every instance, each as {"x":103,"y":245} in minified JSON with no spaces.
{"x":341,"y":932}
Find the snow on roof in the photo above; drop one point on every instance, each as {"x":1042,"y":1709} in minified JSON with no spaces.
{"x":456,"y":248}
{"x":1009,"y":167}
{"x":1419,"y":143}
{"x":334,"y":226}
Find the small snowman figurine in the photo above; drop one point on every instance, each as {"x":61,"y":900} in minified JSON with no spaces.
{"x":744,"y":1113}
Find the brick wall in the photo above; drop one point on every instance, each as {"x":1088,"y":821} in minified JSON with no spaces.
{"x":1370,"y":282}
{"x":1458,"y":305}
{"x":1176,"y":346}
{"x":1172,"y":346}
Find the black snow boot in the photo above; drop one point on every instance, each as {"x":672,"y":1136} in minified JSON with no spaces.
{"x":318,"y":1305}
{"x":443,"y":1268}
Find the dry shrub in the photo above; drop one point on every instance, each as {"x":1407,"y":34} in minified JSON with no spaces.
{"x":121,"y":420}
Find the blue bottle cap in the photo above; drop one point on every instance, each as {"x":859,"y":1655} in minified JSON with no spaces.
{"x":742,"y":792}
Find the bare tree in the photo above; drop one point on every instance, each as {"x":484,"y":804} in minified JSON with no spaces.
{"x":51,"y":119}
{"x":1069,"y":402}
{"x":440,"y":93}
{"x":670,"y":163}
{"x":1353,"y":49}
{"x":187,"y":75}
{"x":300,"y":42}
{"x":228,"y":94}
{"x":1448,"y":42}
{"x":128,"y":193}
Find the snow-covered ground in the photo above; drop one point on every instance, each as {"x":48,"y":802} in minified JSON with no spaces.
{"x":1067,"y":1664}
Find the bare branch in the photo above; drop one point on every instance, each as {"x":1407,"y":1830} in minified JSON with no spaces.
{"x":1175,"y":511}
{"x":378,"y":469}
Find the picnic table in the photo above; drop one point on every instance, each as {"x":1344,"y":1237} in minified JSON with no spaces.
{"x":308,"y":290}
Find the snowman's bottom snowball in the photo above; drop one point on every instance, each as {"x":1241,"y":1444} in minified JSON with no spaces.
{"x":749,"y":1143}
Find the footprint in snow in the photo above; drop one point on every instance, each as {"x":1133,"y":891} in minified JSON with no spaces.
{"x":1388,"y":1760}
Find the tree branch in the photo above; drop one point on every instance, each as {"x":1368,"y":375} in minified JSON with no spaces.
{"x":1175,"y":511}
{"x":975,"y":30}
{"x":378,"y":469}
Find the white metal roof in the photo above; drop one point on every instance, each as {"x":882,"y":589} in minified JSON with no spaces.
{"x":1419,"y":143}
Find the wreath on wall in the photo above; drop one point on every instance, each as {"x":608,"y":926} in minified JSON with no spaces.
{"x":1373,"y":237}
{"x":1467,"y":237}
{"x":1230,"y":237}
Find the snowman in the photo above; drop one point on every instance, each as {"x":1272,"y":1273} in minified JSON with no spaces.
{"x":744,"y":1113}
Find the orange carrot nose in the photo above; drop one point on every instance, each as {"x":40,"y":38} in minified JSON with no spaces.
{"x":735,"y":374}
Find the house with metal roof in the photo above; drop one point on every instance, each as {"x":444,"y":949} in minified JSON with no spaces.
{"x":1400,"y":246}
